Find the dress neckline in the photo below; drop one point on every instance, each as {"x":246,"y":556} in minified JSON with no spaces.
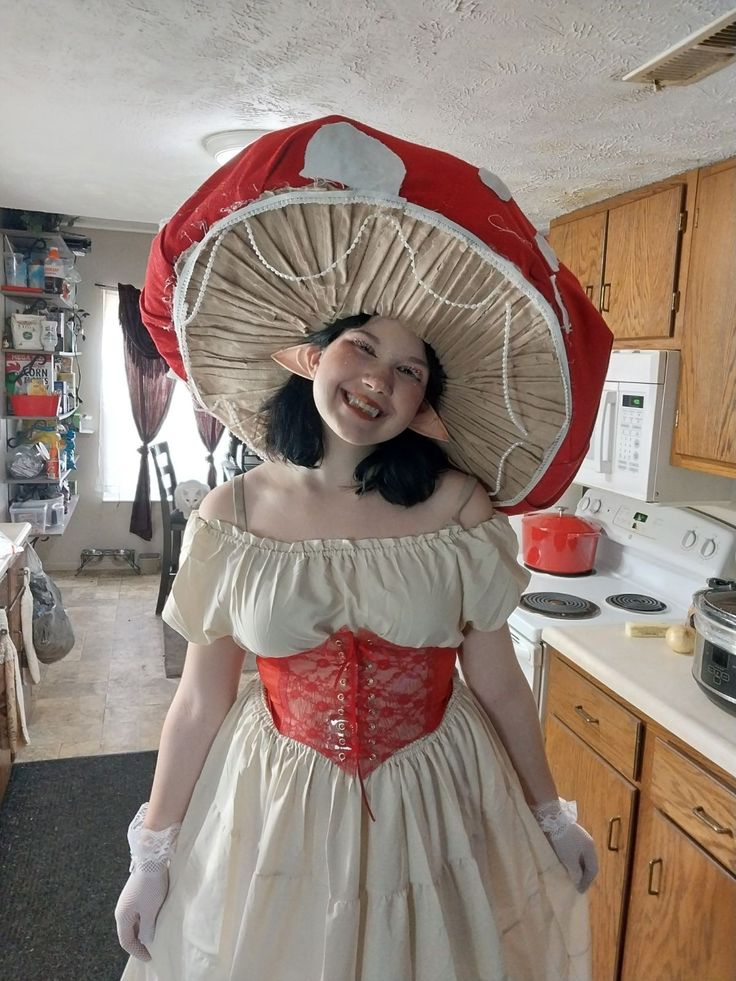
{"x":317,"y":545}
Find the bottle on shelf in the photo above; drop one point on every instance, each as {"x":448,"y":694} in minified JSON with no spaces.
{"x":52,"y":464}
{"x":53,"y":272}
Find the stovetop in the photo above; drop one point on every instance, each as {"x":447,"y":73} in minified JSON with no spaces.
{"x":594,"y":588}
{"x":664,"y":553}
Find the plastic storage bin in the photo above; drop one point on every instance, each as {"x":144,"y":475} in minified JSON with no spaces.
{"x":43,"y":406}
{"x":55,"y":515}
{"x":34,"y":512}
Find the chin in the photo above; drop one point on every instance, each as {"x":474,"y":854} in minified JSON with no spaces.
{"x":348,"y":435}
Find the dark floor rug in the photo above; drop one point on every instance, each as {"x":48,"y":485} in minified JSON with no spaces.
{"x":63,"y":861}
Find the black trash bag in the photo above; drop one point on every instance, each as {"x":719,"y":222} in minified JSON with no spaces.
{"x":53,"y":636}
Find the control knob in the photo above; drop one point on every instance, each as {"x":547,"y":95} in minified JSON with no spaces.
{"x":708,"y":548}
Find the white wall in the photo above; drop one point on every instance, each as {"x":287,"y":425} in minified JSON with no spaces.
{"x":116,"y":257}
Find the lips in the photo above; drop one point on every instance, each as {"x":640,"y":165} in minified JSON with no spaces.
{"x":366,"y":401}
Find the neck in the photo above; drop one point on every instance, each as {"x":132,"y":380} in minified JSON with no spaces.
{"x":338,"y":464}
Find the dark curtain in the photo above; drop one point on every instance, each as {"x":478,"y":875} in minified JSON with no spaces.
{"x":210,"y":432}
{"x":150,"y":397}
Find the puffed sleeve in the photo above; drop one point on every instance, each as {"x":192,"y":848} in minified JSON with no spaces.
{"x":492,"y":579}
{"x":199,"y":604}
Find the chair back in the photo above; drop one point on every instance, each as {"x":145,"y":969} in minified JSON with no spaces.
{"x":164,"y":473}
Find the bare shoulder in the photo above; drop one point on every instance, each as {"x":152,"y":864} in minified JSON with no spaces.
{"x":218,"y":504}
{"x":477,"y":507}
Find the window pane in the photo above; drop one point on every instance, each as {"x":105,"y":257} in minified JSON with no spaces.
{"x":119,"y":458}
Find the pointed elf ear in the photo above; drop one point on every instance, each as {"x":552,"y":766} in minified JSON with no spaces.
{"x":296,"y":359}
{"x":428,"y":423}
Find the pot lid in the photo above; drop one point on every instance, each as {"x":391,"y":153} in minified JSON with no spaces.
{"x":558,"y":519}
{"x":720,"y":603}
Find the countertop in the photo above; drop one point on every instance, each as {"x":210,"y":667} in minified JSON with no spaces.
{"x":655,"y":680}
{"x":18,"y":532}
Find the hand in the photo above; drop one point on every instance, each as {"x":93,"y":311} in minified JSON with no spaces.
{"x":575,"y":849}
{"x":572,"y":844}
{"x":146,"y":889}
{"x":137,"y":908}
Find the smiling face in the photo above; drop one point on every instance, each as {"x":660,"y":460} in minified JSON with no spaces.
{"x":370,"y":381}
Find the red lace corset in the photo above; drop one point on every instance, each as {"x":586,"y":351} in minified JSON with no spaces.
{"x":357,"y":698}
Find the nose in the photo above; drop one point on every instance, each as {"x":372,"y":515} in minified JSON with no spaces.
{"x":378,"y":379}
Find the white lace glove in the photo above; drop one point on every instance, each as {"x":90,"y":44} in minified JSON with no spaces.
{"x":145,"y":891}
{"x":572,"y":844}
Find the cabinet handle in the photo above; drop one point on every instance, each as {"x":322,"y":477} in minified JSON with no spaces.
{"x":585,"y":717}
{"x":589,"y":292}
{"x":614,"y":823}
{"x":605,"y":298}
{"x":650,"y":886}
{"x":701,"y":815}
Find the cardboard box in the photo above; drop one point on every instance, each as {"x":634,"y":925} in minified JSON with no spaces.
{"x":42,"y":371}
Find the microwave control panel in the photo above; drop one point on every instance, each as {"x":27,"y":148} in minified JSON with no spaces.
{"x":631,"y":413}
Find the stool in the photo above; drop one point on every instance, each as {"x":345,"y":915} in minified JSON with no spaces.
{"x":88,"y":554}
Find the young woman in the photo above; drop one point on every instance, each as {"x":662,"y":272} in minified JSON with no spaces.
{"x":356,"y":811}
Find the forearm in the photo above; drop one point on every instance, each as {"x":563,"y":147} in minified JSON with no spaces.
{"x":186,"y":738}
{"x":514,"y":716}
{"x":492,"y":672}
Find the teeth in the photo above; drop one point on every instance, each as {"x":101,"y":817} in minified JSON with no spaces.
{"x":353,"y":400}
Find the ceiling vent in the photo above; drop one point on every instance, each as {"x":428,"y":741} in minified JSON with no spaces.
{"x":701,"y":54}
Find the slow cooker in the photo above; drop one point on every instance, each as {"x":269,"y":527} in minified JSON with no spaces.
{"x":714,"y":657}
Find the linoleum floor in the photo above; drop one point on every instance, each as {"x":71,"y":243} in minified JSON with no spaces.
{"x":110,"y":693}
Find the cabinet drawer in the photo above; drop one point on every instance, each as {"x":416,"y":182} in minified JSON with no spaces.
{"x":696,"y":801}
{"x":606,"y":726}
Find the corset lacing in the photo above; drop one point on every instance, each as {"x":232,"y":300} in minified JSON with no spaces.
{"x":358,"y":698}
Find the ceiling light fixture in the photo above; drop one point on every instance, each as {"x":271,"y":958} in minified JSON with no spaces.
{"x":224,"y":146}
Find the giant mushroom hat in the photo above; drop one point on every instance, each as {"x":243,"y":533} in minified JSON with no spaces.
{"x":332,"y":218}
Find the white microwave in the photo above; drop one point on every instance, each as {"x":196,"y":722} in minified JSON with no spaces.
{"x":631,"y":443}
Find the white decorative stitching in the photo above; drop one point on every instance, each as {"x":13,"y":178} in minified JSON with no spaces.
{"x":505,"y":368}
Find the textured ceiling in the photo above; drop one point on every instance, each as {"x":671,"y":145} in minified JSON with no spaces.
{"x":105,"y":102}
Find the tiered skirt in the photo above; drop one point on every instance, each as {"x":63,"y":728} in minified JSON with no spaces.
{"x":281,"y":874}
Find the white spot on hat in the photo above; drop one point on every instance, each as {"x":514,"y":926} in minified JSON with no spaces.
{"x":340,"y":152}
{"x":547,"y":251}
{"x":495,"y":183}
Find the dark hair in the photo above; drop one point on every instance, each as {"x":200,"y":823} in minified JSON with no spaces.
{"x":403,"y":470}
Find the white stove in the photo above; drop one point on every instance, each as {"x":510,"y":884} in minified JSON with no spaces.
{"x":660,"y":554}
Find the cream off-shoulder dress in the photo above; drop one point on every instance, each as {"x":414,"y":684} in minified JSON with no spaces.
{"x":281,"y":872}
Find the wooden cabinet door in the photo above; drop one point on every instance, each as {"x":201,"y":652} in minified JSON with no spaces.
{"x":606,"y":804}
{"x":641,"y":265}
{"x":682,"y":909}
{"x":579,"y":245}
{"x":706,"y":427}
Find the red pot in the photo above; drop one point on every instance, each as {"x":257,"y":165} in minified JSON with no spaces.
{"x":559,"y":543}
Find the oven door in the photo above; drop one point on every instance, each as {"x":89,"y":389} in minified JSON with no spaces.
{"x":530,"y":658}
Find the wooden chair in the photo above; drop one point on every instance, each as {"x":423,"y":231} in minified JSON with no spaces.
{"x":173,"y":521}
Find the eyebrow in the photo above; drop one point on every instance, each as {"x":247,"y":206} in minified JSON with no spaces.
{"x":377,"y":342}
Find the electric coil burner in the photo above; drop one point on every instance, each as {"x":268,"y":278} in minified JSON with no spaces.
{"x":636,"y":603}
{"x":560,"y":605}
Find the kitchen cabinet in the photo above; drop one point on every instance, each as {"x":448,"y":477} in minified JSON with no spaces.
{"x":580,"y":246}
{"x":682,"y":909}
{"x":705,"y":431}
{"x":664,"y":822}
{"x":606,"y":804}
{"x":627,"y":253}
